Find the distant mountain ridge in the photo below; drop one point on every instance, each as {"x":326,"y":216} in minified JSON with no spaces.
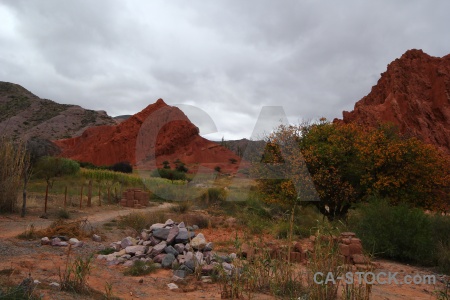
{"x":23,"y":114}
{"x":157,"y":133}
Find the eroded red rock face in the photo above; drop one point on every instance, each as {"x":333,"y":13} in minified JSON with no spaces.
{"x":414,"y":94}
{"x":158,"y":132}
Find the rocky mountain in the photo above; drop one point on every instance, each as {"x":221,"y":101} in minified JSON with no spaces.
{"x":159,"y":132}
{"x":23,"y":114}
{"x":414,"y":94}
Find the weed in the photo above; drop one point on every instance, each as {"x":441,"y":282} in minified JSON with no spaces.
{"x":136,"y":221}
{"x":106,"y":251}
{"x":63,"y":214}
{"x":139,"y":268}
{"x":181,"y":207}
{"x":74,"y":277}
{"x":29,"y":233}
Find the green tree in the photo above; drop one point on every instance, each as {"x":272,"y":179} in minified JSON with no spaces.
{"x":49,"y":168}
{"x":348,"y":163}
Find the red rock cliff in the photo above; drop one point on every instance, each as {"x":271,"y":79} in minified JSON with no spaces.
{"x":163,"y":132}
{"x":414,"y":93}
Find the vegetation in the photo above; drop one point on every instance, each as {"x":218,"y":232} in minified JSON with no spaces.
{"x":13,"y":162}
{"x":169,"y":174}
{"x":349,"y":163}
{"x":140,"y":268}
{"x":403,"y":233}
{"x":75,"y":275}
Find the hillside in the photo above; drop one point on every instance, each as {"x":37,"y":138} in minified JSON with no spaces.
{"x":414,"y":94}
{"x":23,"y":114}
{"x":159,"y":131}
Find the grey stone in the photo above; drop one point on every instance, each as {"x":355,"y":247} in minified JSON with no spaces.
{"x":187,"y":247}
{"x":161,"y":233}
{"x":126,"y":242}
{"x":158,"y":248}
{"x":154,"y":241}
{"x":55,"y":242}
{"x":73,"y":241}
{"x":169,"y":222}
{"x":173,"y":232}
{"x":135,"y":249}
{"x":198,"y":242}
{"x":180,"y":273}
{"x":190,"y":264}
{"x":116,"y":246}
{"x":181,"y":225}
{"x":209,"y":246}
{"x":179,"y":247}
{"x":195,"y":227}
{"x":45,"y":241}
{"x":128,"y":263}
{"x":63,"y":244}
{"x":187,"y":269}
{"x":199,"y":257}
{"x":145,"y":236}
{"x":172,"y":286}
{"x":167,"y":260}
{"x":96,"y":238}
{"x":171,"y":250}
{"x":184,"y":236}
{"x":159,"y":258}
{"x":157,"y":225}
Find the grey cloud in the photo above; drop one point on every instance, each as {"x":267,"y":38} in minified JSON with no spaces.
{"x":229,"y":58}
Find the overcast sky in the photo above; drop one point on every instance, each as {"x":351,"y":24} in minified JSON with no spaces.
{"x":228,"y":58}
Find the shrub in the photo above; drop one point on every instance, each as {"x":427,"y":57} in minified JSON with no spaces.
{"x":216,"y":194}
{"x":181,"y":207}
{"x":63,"y":214}
{"x":137,"y":221}
{"x":140,"y":268}
{"x":169,"y":174}
{"x":217,"y":169}
{"x":123,"y":167}
{"x":397,"y":232}
{"x":74,"y":277}
{"x":49,"y":167}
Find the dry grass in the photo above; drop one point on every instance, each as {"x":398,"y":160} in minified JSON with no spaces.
{"x":79,"y":229}
{"x":13,"y":159}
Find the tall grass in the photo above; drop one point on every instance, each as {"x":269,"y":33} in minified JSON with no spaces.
{"x":13,"y":158}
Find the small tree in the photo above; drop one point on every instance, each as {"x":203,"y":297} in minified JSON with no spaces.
{"x":166,"y":164}
{"x":49,"y":168}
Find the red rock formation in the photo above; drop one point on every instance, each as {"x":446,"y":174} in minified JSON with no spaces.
{"x":414,"y":94}
{"x":159,"y":131}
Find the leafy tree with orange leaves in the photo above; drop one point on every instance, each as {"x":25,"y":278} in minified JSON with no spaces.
{"x":347,"y":163}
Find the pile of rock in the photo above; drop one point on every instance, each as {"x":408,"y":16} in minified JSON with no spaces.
{"x":170,"y":245}
{"x":134,"y":198}
{"x":351,"y":249}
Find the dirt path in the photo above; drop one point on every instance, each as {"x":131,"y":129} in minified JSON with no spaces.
{"x":13,"y":225}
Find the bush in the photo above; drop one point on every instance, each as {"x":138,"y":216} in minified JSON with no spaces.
{"x":397,"y":232}
{"x":123,"y":167}
{"x":63,"y":214}
{"x":140,"y":268}
{"x":137,"y":221}
{"x":169,"y":174}
{"x":216,"y":194}
{"x":49,"y":167}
